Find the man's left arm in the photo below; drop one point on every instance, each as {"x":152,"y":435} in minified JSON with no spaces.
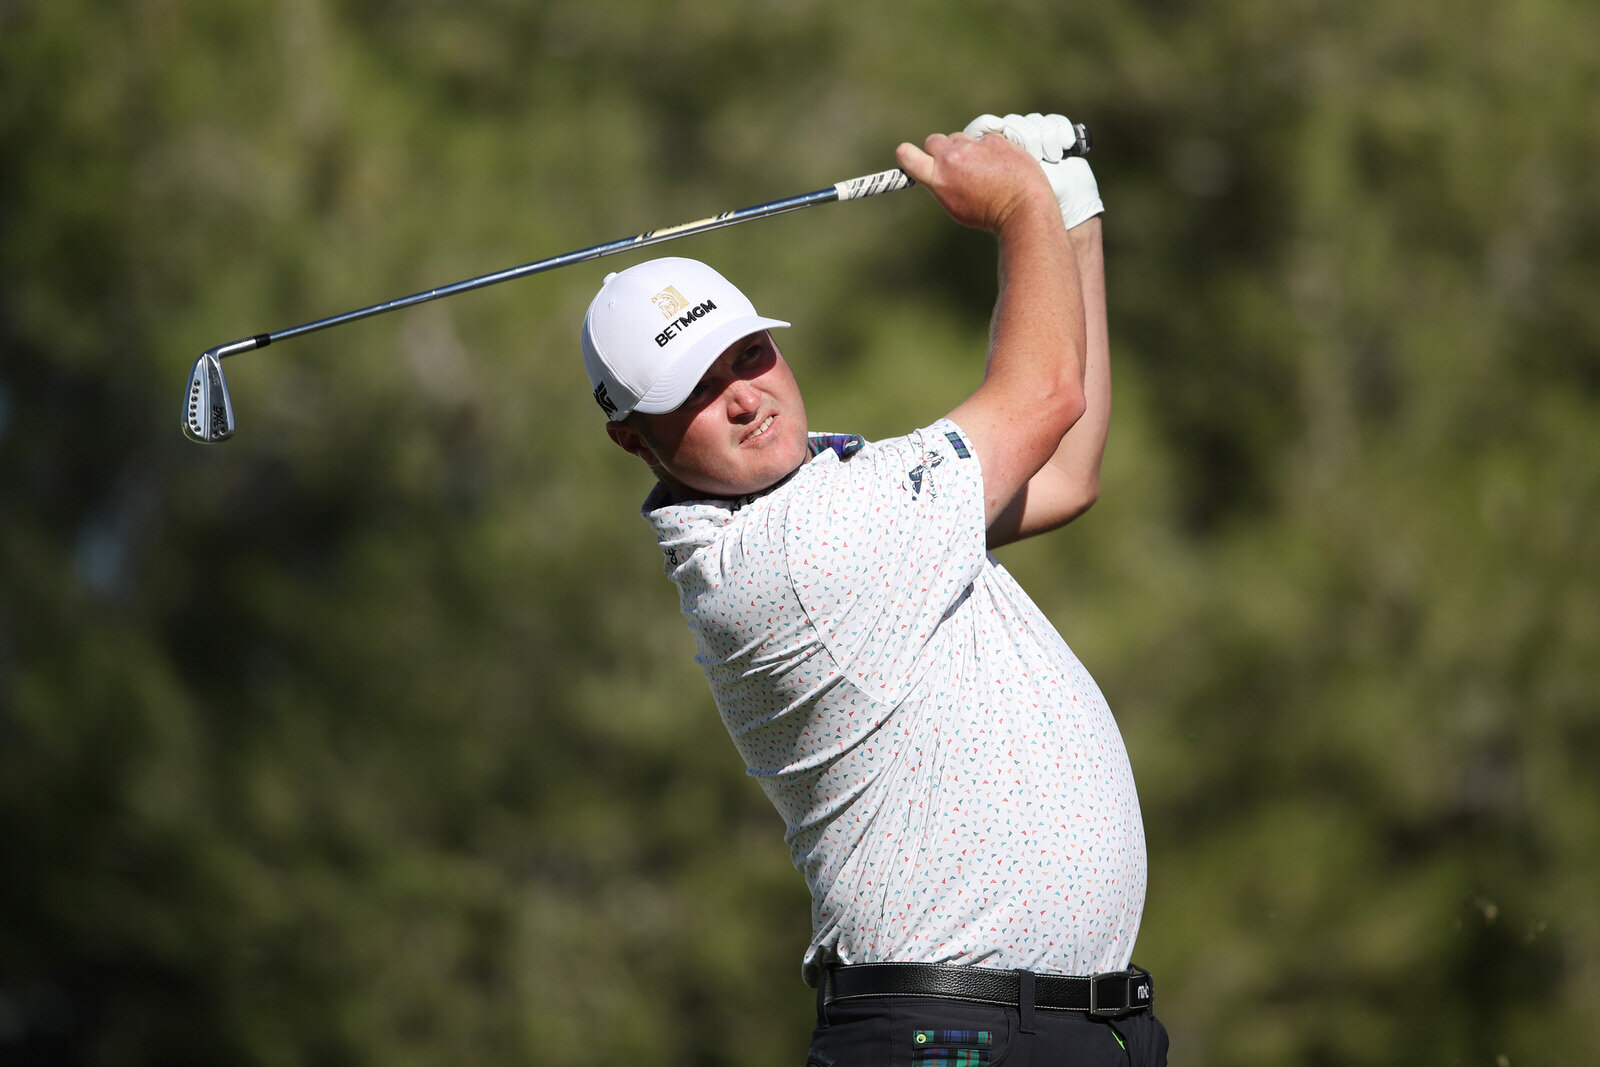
{"x":1069,"y":482}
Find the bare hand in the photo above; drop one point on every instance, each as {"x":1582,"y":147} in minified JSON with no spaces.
{"x":982,"y":183}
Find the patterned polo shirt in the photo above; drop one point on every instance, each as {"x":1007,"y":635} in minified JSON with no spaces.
{"x":954,"y":787}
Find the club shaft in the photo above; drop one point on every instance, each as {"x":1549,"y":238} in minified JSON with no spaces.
{"x":851,"y":189}
{"x":208,"y":411}
{"x":887,"y":180}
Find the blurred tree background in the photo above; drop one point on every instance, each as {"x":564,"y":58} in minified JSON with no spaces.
{"x":372,"y":737}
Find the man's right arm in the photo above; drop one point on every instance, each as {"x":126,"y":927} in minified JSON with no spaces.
{"x":1033,"y":385}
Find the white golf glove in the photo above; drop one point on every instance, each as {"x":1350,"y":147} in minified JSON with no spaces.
{"x":1047,"y":138}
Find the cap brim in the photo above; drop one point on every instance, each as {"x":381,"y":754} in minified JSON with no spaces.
{"x":674,"y":383}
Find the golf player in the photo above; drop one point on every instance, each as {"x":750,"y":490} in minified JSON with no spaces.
{"x":956,"y":792}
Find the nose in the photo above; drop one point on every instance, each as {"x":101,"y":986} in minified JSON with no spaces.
{"x":743,"y":399}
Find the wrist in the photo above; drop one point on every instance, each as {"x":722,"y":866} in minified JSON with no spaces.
{"x":1085,"y":235}
{"x":1035,"y":213}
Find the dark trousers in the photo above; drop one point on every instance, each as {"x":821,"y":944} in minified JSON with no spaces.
{"x":895,"y":1031}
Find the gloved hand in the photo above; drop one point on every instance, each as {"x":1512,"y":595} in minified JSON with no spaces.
{"x":1047,"y":138}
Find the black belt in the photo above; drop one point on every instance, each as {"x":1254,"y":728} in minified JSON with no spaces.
{"x":1111,"y":994}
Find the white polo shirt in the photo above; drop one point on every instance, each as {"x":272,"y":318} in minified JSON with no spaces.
{"x":954,"y":785}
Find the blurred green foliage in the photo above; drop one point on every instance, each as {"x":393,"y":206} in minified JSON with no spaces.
{"x":373,"y":737}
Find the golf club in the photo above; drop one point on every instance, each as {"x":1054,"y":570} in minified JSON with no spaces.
{"x":208,"y":410}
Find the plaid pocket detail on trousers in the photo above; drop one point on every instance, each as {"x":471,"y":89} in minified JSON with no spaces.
{"x":951,"y":1048}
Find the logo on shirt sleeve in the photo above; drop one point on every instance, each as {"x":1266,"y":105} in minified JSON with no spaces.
{"x":916,"y":475}
{"x":958,"y":444}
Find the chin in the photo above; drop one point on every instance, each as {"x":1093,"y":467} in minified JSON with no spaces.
{"x":760,"y":481}
{"x":765,"y":470}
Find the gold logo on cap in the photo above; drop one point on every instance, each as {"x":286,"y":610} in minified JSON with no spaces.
{"x":669,"y":302}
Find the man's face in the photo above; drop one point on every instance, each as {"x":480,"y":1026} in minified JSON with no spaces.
{"x":741,"y":430}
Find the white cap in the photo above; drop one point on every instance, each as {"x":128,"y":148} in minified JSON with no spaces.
{"x":653,"y":329}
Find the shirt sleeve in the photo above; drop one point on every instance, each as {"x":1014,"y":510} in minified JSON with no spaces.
{"x":883,"y":546}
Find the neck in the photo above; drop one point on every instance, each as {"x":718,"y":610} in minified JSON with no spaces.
{"x":677,"y":492}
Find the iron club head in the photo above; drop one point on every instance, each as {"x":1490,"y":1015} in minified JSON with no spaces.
{"x":207,"y":410}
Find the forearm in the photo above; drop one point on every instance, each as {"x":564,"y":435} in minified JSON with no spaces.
{"x":1069,"y":482}
{"x":1032,"y":391}
{"x":1037,"y":340}
{"x":1078,"y":457}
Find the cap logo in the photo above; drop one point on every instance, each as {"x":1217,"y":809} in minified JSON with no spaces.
{"x":682,"y":322}
{"x":669,"y":302}
{"x":602,"y":398}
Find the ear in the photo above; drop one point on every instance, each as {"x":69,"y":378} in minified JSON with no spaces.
{"x":631,"y":441}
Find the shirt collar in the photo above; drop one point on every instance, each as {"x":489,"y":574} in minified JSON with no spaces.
{"x":844,"y":445}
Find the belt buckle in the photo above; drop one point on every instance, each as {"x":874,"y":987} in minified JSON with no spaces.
{"x":1132,"y":997}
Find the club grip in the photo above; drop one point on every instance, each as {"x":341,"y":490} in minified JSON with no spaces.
{"x":889,"y":181}
{"x":885,"y":181}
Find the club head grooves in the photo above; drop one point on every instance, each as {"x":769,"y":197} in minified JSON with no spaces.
{"x":207,"y":409}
